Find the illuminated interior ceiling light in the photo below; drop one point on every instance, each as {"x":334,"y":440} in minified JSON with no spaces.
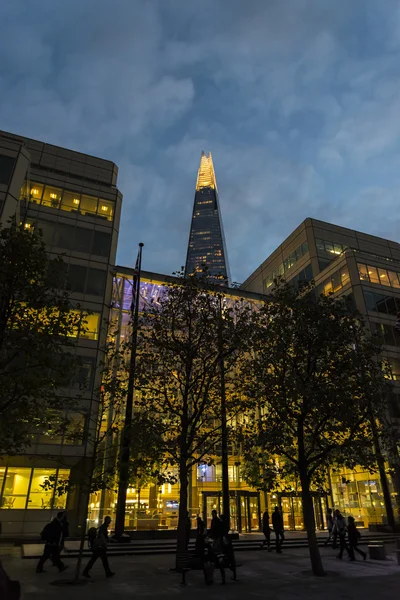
{"x":53,"y":195}
{"x":34,"y":191}
{"x":75,"y":200}
{"x":105,"y":208}
{"x":206,"y":175}
{"x":27,"y":225}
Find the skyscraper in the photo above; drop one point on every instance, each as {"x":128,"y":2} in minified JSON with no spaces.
{"x":207,"y":241}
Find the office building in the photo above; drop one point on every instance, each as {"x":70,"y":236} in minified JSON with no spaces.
{"x":206,"y":241}
{"x":73,"y":199}
{"x":343,"y":261}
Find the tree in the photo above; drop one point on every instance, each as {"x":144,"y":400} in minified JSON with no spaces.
{"x":318,"y":387}
{"x":37,"y":329}
{"x":179,"y":377}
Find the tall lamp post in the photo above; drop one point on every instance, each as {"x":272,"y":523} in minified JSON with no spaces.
{"x":127,"y":430}
{"x":224,"y":429}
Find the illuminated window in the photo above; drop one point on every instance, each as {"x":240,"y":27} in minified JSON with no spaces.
{"x":38,"y":497}
{"x":36,"y":192}
{"x":363,"y":272}
{"x":88,"y":204}
{"x":373,"y":274}
{"x":70,"y":201}
{"x":51,"y":196}
{"x":106,"y":209}
{"x":383,"y":277}
{"x":16,"y":487}
{"x":394,"y":279}
{"x":328,"y":289}
{"x":344,"y":274}
{"x":92,"y":326}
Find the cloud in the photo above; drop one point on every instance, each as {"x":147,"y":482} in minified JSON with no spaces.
{"x":297,"y":100}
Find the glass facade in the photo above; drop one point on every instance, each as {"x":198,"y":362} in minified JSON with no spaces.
{"x":206,"y":240}
{"x":21,"y":488}
{"x":387,"y":305}
{"x":379,"y":276}
{"x":66,"y":200}
{"x":335,"y":282}
{"x":288,"y":263}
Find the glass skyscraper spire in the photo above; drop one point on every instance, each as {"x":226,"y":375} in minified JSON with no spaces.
{"x":207,"y":241}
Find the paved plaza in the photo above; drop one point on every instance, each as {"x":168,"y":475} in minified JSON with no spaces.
{"x":262,"y":574}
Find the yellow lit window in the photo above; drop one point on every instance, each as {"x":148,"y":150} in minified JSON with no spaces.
{"x":16,"y":488}
{"x":36,"y":192}
{"x":70,"y":201}
{"x":38,"y":497}
{"x":51,"y":196}
{"x":328,"y":287}
{"x":394,"y":279}
{"x":106,"y":209}
{"x":373,"y":274}
{"x":383,"y":276}
{"x":76,"y":200}
{"x":363,"y":272}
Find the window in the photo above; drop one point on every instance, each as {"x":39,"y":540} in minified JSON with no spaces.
{"x":91,"y":325}
{"x":394,"y":405}
{"x":105,"y":208}
{"x":82,"y":240}
{"x":96,"y":282}
{"x":36,"y":192}
{"x":383,"y":277}
{"x":320,"y":244}
{"x":71,"y":201}
{"x":6,"y":168}
{"x":287,"y":264}
{"x":101,"y":243}
{"x":16,"y":487}
{"x":74,"y":430}
{"x":380,"y":303}
{"x":395,"y":368}
{"x":373,"y":275}
{"x":329,"y":246}
{"x":39,"y":497}
{"x":328,"y":289}
{"x":393,"y":279}
{"x":363,"y":272}
{"x":334,"y":283}
{"x":76,"y":279}
{"x":60,"y":501}
{"x":51,"y":196}
{"x":344,"y":274}
{"x":83,"y":377}
{"x":63,"y":236}
{"x":88,"y":204}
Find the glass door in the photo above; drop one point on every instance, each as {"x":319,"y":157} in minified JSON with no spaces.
{"x":287,"y":512}
{"x":298,"y":513}
{"x":210,"y":502}
{"x":254,"y":506}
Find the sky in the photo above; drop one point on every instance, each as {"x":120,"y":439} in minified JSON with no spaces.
{"x":298,"y":101}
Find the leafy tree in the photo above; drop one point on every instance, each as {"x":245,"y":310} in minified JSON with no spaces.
{"x":318,"y":389}
{"x":178,"y":373}
{"x":37,"y":327}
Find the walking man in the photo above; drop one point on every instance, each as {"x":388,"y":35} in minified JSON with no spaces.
{"x":354,"y":536}
{"x":277,"y":524}
{"x":340,"y":528}
{"x":52,"y":535}
{"x":99,"y":549}
{"x":266,"y":531}
{"x":329,"y":525}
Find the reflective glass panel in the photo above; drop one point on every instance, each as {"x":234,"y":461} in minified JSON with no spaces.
{"x":373,"y":274}
{"x":38,"y":496}
{"x":344,"y":274}
{"x":16,"y":488}
{"x":363,"y":272}
{"x":52,"y":196}
{"x":88,"y":204}
{"x":383,"y":277}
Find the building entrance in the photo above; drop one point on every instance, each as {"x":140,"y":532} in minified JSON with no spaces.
{"x":245,"y":509}
{"x":292,"y":511}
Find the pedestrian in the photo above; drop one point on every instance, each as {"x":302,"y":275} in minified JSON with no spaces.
{"x":200,"y":538}
{"x":52,"y":535}
{"x":99,"y":548}
{"x":64,"y":533}
{"x":277,"y":524}
{"x":354,"y":537}
{"x":329,"y":525}
{"x":266,"y":531}
{"x":340,"y":528}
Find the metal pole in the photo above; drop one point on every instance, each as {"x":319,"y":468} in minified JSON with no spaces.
{"x":224,"y":430}
{"x":126,"y":432}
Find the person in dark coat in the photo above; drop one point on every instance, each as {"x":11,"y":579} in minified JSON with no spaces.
{"x":215,"y":530}
{"x":99,"y":549}
{"x":64,"y":533}
{"x":329,"y":525}
{"x":200,"y":537}
{"x":340,"y":528}
{"x":353,"y":537}
{"x":266,"y":531}
{"x":52,"y":534}
{"x":277,"y":524}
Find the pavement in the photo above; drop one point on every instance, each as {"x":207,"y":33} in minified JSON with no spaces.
{"x":285,"y":576}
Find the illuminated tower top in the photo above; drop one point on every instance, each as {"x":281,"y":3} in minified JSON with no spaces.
{"x":206,"y":240}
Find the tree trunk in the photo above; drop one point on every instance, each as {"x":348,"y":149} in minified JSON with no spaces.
{"x":182,"y":542}
{"x":382,"y":474}
{"x":309,"y":522}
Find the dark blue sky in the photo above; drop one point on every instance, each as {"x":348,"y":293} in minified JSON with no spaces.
{"x":298,"y":100}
